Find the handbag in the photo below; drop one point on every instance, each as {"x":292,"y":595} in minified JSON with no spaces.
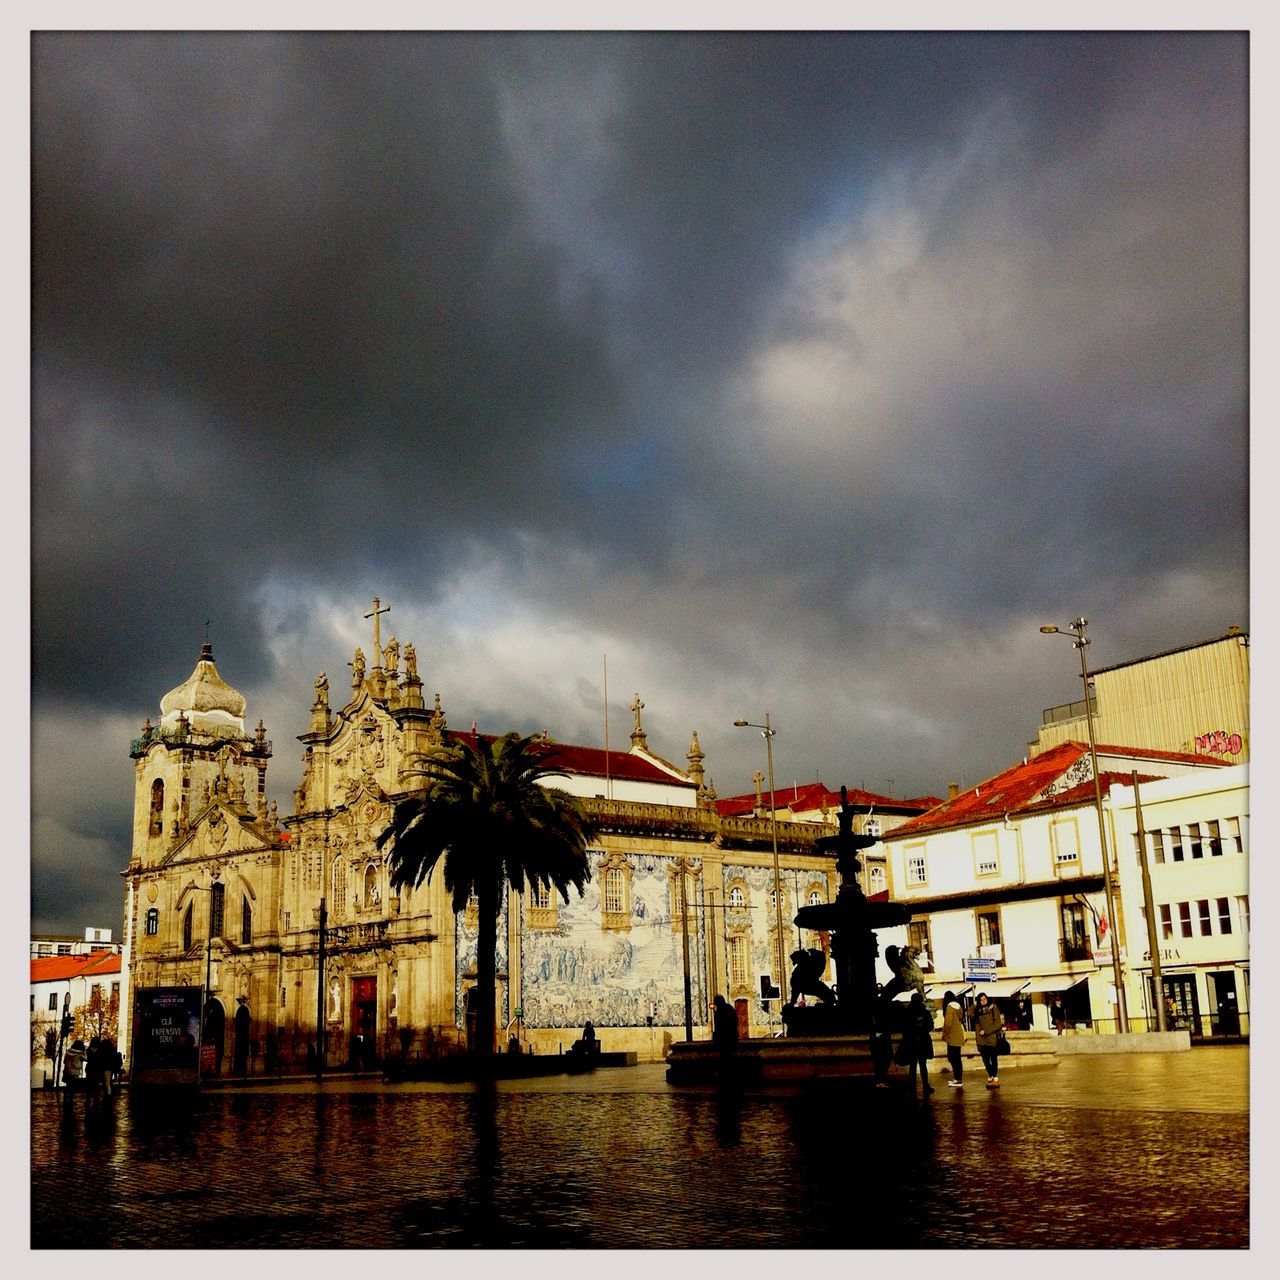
{"x":1002,"y":1044}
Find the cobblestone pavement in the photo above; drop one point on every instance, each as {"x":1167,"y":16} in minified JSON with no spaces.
{"x":1146,"y":1150}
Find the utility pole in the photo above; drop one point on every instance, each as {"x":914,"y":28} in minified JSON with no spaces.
{"x":684,"y":937}
{"x":1153,"y":941}
{"x":320,"y":1000}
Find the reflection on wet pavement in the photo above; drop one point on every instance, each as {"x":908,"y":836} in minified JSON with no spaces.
{"x":1141,"y":1150}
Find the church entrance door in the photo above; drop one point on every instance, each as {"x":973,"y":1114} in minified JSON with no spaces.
{"x":240,"y":1054}
{"x":364,"y":1021}
{"x":213,"y":1039}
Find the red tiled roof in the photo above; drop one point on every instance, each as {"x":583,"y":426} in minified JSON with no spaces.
{"x":811,"y":797}
{"x":591,"y":762}
{"x":1017,"y":788}
{"x":61,"y":968}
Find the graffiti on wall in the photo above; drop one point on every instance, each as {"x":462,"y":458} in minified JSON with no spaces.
{"x":615,"y":977}
{"x":1219,"y":743}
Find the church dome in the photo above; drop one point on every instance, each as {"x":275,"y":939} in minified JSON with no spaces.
{"x":204,"y":692}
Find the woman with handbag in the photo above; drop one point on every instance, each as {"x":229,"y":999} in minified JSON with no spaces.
{"x":988,"y":1027}
{"x":953,"y":1037}
{"x":919,"y":1037}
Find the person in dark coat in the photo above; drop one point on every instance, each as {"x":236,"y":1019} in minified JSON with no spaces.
{"x":953,"y":1037}
{"x":988,"y":1022}
{"x":724,"y":1025}
{"x":919,"y":1039}
{"x":1058,"y":1015}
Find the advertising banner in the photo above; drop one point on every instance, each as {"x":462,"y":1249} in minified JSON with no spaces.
{"x":166,"y":1036}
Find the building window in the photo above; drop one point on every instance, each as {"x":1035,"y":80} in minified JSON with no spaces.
{"x":871,"y":827}
{"x":186,"y":929}
{"x":918,"y":937}
{"x":339,"y":888}
{"x":1184,"y":919}
{"x":615,"y":892}
{"x":217,"y":904}
{"x":53,"y":1003}
{"x":371,"y":886}
{"x":64,"y":948}
{"x":45,"y":949}
{"x":917,"y":872}
{"x":1224,"y":915}
{"x":1242,"y":906}
{"x":471,"y":915}
{"x":986,"y":854}
{"x":97,"y":935}
{"x":875,"y":879}
{"x":153,"y":921}
{"x":542,"y":906}
{"x":1233,"y":835}
{"x":1075,"y":932}
{"x":1197,"y":844}
{"x":156,"y":827}
{"x":737,"y":897}
{"x":1166,"y":920}
{"x":246,"y":922}
{"x":1157,"y":845}
{"x":988,"y":933}
{"x":1178,"y":853}
{"x":1065,"y":838}
{"x":1206,"y":919}
{"x":736,"y":949}
{"x":1213,"y":837}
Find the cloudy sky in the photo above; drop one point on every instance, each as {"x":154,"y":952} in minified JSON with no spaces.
{"x":798,"y":373}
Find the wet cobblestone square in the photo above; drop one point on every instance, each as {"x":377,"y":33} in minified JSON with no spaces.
{"x":1106,"y":1152}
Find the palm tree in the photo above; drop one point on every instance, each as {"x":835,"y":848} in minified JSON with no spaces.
{"x":492,"y":823}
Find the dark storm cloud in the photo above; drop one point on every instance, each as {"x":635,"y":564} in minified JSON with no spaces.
{"x":803,"y":370}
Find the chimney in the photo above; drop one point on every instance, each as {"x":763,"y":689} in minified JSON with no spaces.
{"x":953,"y":790}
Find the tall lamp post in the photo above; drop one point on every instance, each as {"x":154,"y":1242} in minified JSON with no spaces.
{"x":1079,"y":640}
{"x":767,"y":731}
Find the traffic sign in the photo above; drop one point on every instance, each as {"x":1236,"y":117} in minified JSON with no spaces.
{"x":979,"y":968}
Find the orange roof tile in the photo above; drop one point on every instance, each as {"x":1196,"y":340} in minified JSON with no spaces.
{"x":62,"y":968}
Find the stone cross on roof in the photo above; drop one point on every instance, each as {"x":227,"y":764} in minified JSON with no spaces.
{"x":377,"y":630}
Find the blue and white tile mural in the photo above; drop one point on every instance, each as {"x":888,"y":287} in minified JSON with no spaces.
{"x":617,"y":978}
{"x":466,"y":946}
{"x":755,"y":917}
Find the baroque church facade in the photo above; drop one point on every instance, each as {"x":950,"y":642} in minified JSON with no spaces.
{"x":222,"y":891}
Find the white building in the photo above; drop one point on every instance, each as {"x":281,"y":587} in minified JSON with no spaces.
{"x":1197,"y":831}
{"x":1005,"y":882}
{"x":69,"y":944}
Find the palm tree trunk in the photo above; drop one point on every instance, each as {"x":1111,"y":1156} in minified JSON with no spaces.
{"x":488,"y":903}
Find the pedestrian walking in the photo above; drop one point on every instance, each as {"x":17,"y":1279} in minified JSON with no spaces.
{"x":953,"y":1037}
{"x":988,"y":1027}
{"x":881,"y":1040}
{"x":919,"y":1039}
{"x":1058,"y":1015}
{"x":107,"y":1064}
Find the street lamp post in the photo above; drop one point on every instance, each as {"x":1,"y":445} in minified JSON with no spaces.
{"x":1078,"y":641}
{"x":767,"y":731}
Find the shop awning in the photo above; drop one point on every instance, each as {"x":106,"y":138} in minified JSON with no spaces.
{"x":1000,"y":988}
{"x":1063,"y":982}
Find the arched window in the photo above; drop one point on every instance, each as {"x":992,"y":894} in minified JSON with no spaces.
{"x":815,"y":897}
{"x":246,"y":922}
{"x":370,"y":885}
{"x":339,"y":887}
{"x":541,"y":895}
{"x":157,"y":808}
{"x":737,"y":898}
{"x":875,"y":879}
{"x":871,"y":827}
{"x":217,"y":904}
{"x":186,"y":928}
{"x":153,"y":921}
